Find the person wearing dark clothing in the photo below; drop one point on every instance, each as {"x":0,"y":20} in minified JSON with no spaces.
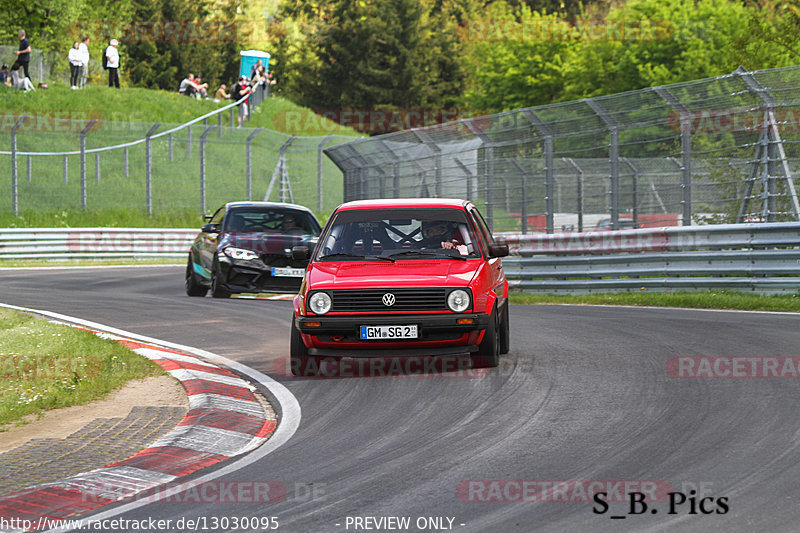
{"x":239,"y":91}
{"x":23,"y":54}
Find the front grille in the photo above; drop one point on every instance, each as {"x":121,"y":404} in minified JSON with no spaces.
{"x":355,"y":300}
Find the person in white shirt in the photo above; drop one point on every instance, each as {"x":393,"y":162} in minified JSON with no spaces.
{"x":112,"y":56}
{"x":84,"y":50}
{"x":75,"y":62}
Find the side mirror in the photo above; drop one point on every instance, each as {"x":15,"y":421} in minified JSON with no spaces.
{"x":498,"y":250}
{"x":211,"y":227}
{"x":300,"y":253}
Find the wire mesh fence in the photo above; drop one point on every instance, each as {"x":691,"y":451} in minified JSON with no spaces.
{"x":716,"y":150}
{"x":82,"y":163}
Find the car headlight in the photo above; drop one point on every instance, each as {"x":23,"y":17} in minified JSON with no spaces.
{"x":320,"y":303}
{"x":458,"y":301}
{"x":240,"y":253}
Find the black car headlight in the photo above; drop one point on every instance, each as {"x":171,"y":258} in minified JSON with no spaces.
{"x":320,"y":303}
{"x":241,"y":254}
{"x":459,"y":301}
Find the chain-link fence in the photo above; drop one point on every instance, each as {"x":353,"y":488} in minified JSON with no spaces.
{"x":722,"y":149}
{"x":67,"y":162}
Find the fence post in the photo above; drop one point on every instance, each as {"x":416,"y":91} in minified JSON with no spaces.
{"x":30,"y":164}
{"x":125,"y":161}
{"x":249,"y":164}
{"x":170,"y":148}
{"x":686,"y":151}
{"x":97,"y":167}
{"x":549,"y":167}
{"x":189,"y":141}
{"x":524,"y":213}
{"x":66,"y":168}
{"x":233,"y":117}
{"x":579,"y":177}
{"x":14,"y":187}
{"x":203,"y":168}
{"x":488,"y":168}
{"x":85,"y":130}
{"x":319,"y":170}
{"x":613,"y":156}
{"x":219,"y":125}
{"x":148,"y":165}
{"x":634,"y":192}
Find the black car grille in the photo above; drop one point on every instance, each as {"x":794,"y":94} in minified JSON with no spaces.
{"x":354,"y":300}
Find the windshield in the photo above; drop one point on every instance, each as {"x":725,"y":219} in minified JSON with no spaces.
{"x":398,"y":234}
{"x":279,"y":221}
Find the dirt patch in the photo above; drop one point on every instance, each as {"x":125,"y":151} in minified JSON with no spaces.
{"x":59,"y":423}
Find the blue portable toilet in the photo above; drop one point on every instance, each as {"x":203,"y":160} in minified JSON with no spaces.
{"x":249,"y":58}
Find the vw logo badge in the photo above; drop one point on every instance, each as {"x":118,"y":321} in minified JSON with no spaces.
{"x":388,"y":299}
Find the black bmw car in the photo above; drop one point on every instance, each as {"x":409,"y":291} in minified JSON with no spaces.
{"x":247,"y":247}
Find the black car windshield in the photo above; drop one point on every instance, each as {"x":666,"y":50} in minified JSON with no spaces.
{"x":277,"y":221}
{"x":407,"y":234}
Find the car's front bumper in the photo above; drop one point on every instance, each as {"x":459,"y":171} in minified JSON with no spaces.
{"x":255,"y":276}
{"x":438,"y":334}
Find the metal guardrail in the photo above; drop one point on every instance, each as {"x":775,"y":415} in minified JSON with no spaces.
{"x":82,"y":243}
{"x":762,"y":258}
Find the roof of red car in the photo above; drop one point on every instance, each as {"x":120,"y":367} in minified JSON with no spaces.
{"x":387,"y":203}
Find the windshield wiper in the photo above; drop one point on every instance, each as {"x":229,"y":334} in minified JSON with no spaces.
{"x":431,"y":254}
{"x":342,"y":254}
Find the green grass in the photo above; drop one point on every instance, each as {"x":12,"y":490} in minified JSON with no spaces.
{"x":117,"y":195}
{"x":699,"y":300}
{"x":148,"y":105}
{"x":46,"y":366}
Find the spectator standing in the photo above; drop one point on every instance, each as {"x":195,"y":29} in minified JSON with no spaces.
{"x":240,"y":90}
{"x":112,"y":56}
{"x":84,"y":49}
{"x":23,"y":54}
{"x":254,"y":69}
{"x":75,"y":62}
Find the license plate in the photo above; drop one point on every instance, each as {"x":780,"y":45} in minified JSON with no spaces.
{"x":388,"y":332}
{"x":288,"y":272}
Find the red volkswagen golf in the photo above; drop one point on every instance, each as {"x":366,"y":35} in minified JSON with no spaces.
{"x":399,"y":278}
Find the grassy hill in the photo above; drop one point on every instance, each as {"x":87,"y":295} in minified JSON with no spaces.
{"x":49,"y":196}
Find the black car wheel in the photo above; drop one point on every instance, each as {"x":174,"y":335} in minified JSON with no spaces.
{"x":193,"y":288}
{"x":488,"y":354}
{"x":302,"y":364}
{"x":217,"y":290}
{"x":505,"y":333}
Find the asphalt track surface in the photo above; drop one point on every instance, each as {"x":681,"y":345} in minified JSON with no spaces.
{"x":584,"y":395}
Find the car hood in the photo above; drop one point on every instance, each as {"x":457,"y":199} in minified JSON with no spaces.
{"x":365,"y":274}
{"x":266,"y":243}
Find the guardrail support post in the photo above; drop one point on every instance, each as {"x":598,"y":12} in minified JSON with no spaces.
{"x":148,"y":165}
{"x":249,"y":164}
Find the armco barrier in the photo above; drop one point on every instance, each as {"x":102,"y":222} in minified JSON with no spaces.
{"x":80,"y":243}
{"x":762,"y":258}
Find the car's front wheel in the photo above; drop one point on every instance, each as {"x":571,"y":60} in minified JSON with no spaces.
{"x":217,"y":289}
{"x":488,"y":354}
{"x":301,"y":363}
{"x":505,"y":331}
{"x":193,"y":288}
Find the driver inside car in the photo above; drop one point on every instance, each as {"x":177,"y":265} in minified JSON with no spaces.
{"x":442,"y":234}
